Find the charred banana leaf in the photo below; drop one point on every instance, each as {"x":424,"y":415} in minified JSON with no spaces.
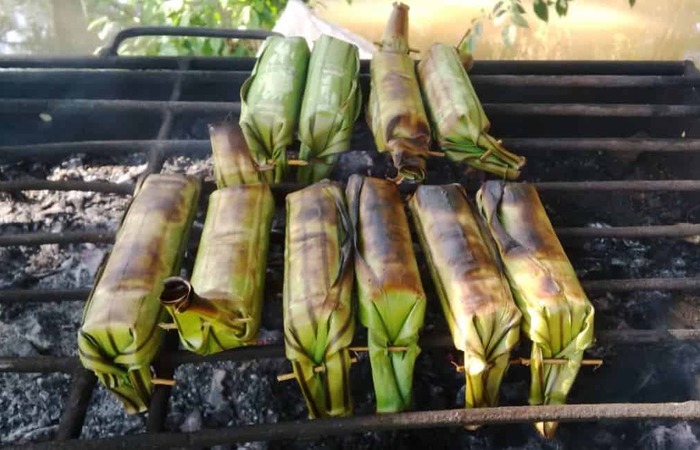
{"x":221,"y":307}
{"x":119,"y":335}
{"x":319,"y":320}
{"x":557,"y":315}
{"x":389,"y":288}
{"x":271,"y":100}
{"x":233,"y":164}
{"x":395,"y":111}
{"x":331,"y":104}
{"x":457,"y":117}
{"x":475,"y":296}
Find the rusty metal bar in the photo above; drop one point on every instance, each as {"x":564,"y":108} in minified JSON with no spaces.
{"x":75,"y":408}
{"x":96,"y":106}
{"x":307,"y":429}
{"x":60,"y":149}
{"x":642,"y":284}
{"x":107,"y":237}
{"x":645,"y":68}
{"x":82,"y":76}
{"x":633,"y":185}
{"x":591,"y":286}
{"x":62,"y":238}
{"x":39,"y":364}
{"x":602,"y":144}
{"x":41,"y":296}
{"x":432,"y":341}
{"x":652,"y":231}
{"x":584,"y":81}
{"x":89,"y":186}
{"x":591,"y":110}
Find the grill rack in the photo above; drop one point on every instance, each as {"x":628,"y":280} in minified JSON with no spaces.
{"x":179,"y":71}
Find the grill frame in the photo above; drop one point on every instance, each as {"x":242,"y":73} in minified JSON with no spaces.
{"x":566,"y":74}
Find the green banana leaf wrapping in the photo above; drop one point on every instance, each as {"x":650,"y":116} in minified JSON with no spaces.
{"x":474,"y":293}
{"x":331,"y":105}
{"x":389,"y":288}
{"x":223,"y":308}
{"x":271,"y":100}
{"x":457,"y":117}
{"x":395,"y":111}
{"x":557,"y":315}
{"x":119,"y":335}
{"x":319,"y":320}
{"x":233,"y":164}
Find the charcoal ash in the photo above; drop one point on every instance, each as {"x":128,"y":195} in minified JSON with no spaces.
{"x":106,"y":417}
{"x":31,"y":406}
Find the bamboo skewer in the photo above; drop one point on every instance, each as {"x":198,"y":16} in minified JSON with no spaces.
{"x":317,"y":369}
{"x":596,"y":362}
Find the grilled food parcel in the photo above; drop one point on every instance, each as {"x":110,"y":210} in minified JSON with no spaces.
{"x":271,"y":100}
{"x":319,"y":319}
{"x":220,"y":307}
{"x":389,"y":289}
{"x":330,"y":107}
{"x":119,"y":335}
{"x":475,"y":297}
{"x":233,"y":163}
{"x":458,"y":120}
{"x":395,"y":111}
{"x":557,"y":315}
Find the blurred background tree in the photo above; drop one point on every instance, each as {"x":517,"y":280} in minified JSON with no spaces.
{"x":109,"y":16}
{"x":496,"y":29}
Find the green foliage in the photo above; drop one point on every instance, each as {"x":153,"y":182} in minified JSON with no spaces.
{"x":109,"y":16}
{"x":515,"y":19}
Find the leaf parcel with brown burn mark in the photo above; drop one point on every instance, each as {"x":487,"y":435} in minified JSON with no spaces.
{"x":389,"y":288}
{"x":319,"y":320}
{"x":557,"y":315}
{"x":119,"y":335}
{"x":221,"y":307}
{"x":474,"y":293}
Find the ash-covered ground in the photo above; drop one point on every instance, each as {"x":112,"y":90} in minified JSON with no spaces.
{"x":229,"y":394}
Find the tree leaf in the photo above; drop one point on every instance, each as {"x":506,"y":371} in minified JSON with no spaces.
{"x":519,"y":21}
{"x":541,"y":9}
{"x":517,"y":7}
{"x":562,"y":7}
{"x":496,"y":7}
{"x":632,"y":2}
{"x":509,"y":34}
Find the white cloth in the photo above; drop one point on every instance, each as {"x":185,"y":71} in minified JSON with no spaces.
{"x":297,"y":19}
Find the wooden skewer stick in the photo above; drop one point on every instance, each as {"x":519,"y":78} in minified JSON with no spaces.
{"x":366,"y":349}
{"x":317,"y":369}
{"x":168,"y":326}
{"x":558,"y":362}
{"x":438,"y":154}
{"x":553,"y":361}
{"x":297,"y":162}
{"x":163,"y":381}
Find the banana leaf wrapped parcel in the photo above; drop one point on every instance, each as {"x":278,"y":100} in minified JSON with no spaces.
{"x":220,"y":307}
{"x":233,"y":163}
{"x":476,"y":299}
{"x":319,"y":320}
{"x":119,"y":335}
{"x":395,"y":111}
{"x":271,"y":100}
{"x":557,"y":315}
{"x":457,"y":117}
{"x":389,"y":289}
{"x":330,"y":107}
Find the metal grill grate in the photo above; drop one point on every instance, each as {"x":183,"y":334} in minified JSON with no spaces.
{"x":599,"y":104}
